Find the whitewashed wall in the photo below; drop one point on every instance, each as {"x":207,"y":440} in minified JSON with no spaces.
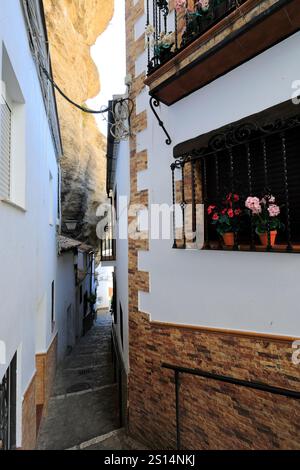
{"x":27,"y":240}
{"x":123,"y":189}
{"x":65,"y":298}
{"x":242,"y":291}
{"x":105,"y":283}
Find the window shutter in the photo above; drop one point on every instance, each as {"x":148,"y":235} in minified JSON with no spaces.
{"x":5,"y":149}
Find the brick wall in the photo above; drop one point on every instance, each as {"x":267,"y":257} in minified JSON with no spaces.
{"x":213,"y":415}
{"x":29,"y":418}
{"x":46,"y":369}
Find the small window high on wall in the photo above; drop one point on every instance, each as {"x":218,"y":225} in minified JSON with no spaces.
{"x":247,"y":179}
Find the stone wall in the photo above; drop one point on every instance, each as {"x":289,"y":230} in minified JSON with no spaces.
{"x":73,"y":27}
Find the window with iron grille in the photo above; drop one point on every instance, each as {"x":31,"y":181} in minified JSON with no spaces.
{"x":5,"y":149}
{"x":247,"y":160}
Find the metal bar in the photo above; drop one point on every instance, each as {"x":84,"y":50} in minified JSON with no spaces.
{"x":286,"y":189}
{"x":173,"y":167}
{"x":248,"y":152}
{"x":183,"y":204}
{"x":194,"y":222}
{"x":267,"y":190}
{"x":154,"y":103}
{"x":217,"y":175}
{"x":231,"y":159}
{"x":177,"y":393}
{"x":148,"y":39}
{"x":231,"y":380}
{"x":204,"y":170}
{"x":176,"y":29}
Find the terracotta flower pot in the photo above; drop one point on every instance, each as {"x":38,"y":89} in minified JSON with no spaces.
{"x":264,"y":239}
{"x":228,"y":238}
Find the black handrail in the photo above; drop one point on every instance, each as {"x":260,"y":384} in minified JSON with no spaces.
{"x":221,"y":378}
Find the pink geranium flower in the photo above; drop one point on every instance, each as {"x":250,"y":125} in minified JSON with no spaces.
{"x":253,"y":204}
{"x":274,"y":210}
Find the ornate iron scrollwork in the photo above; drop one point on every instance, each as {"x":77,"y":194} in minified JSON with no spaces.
{"x":154,"y":102}
{"x":163,"y":6}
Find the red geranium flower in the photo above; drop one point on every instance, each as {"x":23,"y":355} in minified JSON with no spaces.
{"x":237,"y":211}
{"x":236,"y":197}
{"x":215,"y":217}
{"x":210,"y":209}
{"x":224,"y":211}
{"x":230,"y":213}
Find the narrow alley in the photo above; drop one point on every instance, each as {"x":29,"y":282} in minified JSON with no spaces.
{"x":83,"y":409}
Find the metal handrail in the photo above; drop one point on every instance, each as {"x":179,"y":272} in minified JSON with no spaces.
{"x":221,"y":378}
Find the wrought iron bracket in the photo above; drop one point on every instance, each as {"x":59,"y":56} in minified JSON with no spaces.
{"x":154,"y":103}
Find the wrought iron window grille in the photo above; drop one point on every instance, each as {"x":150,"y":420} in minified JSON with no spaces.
{"x":250,"y":159}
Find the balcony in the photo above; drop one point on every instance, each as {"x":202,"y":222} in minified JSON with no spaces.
{"x":199,"y":41}
{"x":108,"y":247}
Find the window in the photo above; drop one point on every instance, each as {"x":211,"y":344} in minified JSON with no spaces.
{"x":249,"y":159}
{"x":53,"y":304}
{"x":12,"y":136}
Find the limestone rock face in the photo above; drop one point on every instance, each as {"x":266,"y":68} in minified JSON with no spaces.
{"x":73,"y":27}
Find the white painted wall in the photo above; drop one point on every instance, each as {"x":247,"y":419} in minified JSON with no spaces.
{"x":242,"y":291}
{"x":65,"y":298}
{"x":105,"y":283}
{"x":27,"y":241}
{"x":123,"y":189}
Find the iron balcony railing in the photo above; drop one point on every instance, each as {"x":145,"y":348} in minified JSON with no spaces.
{"x":170,"y":29}
{"x":287,"y":393}
{"x":108,"y":246}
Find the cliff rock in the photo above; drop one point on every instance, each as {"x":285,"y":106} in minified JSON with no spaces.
{"x":73,"y":27}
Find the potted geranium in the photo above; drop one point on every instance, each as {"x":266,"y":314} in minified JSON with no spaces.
{"x":265,"y":214}
{"x":226,"y":217}
{"x":163,"y":46}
